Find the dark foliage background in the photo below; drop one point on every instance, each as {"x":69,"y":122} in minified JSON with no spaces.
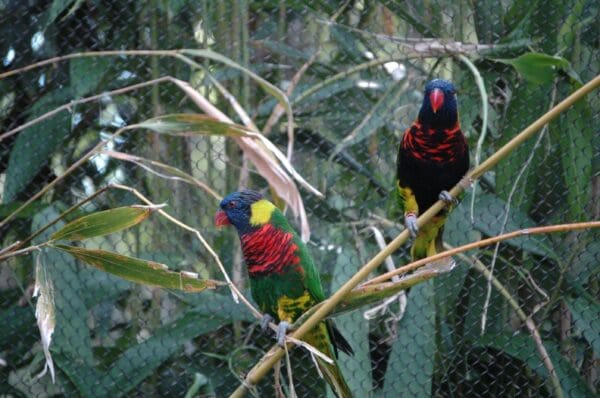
{"x":114,"y":338}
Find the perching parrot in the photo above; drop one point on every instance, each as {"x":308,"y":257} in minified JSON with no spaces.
{"x":283,"y":278}
{"x":432,"y":157}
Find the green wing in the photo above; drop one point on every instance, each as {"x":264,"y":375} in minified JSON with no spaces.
{"x":312,"y":281}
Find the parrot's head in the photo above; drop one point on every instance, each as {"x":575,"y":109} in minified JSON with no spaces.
{"x":439,"y":107}
{"x":246,"y":210}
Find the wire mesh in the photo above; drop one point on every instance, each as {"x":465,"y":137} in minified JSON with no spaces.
{"x":355,"y":74}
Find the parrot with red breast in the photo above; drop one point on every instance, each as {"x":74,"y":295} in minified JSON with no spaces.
{"x":284,"y":281}
{"x":433,"y":156}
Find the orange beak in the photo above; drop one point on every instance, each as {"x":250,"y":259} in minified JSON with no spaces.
{"x":221,"y":219}
{"x":437,"y":99}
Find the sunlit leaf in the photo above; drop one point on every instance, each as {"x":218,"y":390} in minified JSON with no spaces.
{"x":140,"y":271}
{"x":190,"y":123}
{"x":537,"y":68}
{"x":102,"y":223}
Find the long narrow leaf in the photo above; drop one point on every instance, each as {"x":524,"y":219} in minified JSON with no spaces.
{"x":102,"y":223}
{"x":268,"y":159}
{"x":140,"y":271}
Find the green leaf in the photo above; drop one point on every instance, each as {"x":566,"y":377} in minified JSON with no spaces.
{"x":86,"y":74}
{"x":56,"y":8}
{"x":142,"y":360}
{"x":490,"y":211}
{"x":377,"y":116}
{"x":34,"y":146}
{"x":29,"y":211}
{"x":410,"y":368}
{"x":190,"y":123}
{"x":586,"y":261}
{"x":537,"y":68}
{"x":575,"y":135}
{"x":586,"y":314}
{"x":516,"y":19}
{"x":102,"y":223}
{"x":356,"y":370}
{"x":140,"y":271}
{"x":487,"y":20}
{"x":522,"y":347}
{"x":528,"y":100}
{"x":569,"y":30}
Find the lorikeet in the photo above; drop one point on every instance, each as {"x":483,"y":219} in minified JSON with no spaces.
{"x":432,"y":157}
{"x":283,"y":278}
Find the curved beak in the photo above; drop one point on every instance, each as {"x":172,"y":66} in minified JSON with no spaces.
{"x":221,"y":219}
{"x":437,"y":99}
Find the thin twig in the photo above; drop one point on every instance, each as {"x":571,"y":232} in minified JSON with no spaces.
{"x":234,"y":290}
{"x":58,"y":179}
{"x":288,"y":365}
{"x":71,"y":104}
{"x":276,"y":353}
{"x":21,"y":251}
{"x":484,"y":242}
{"x":484,"y":110}
{"x":179,"y":175}
{"x":524,"y":168}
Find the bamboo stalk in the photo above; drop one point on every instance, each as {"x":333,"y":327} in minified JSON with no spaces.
{"x":276,"y":353}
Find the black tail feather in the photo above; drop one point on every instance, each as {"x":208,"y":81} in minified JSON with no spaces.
{"x":338,"y":340}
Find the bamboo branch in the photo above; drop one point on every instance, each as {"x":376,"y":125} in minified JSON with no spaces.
{"x":481,"y":243}
{"x":276,"y":353}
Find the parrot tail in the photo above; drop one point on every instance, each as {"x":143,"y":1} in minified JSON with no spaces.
{"x":331,"y":373}
{"x":429,"y":242}
{"x":320,"y":339}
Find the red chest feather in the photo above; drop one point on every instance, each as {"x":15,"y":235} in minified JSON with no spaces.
{"x":440,"y":146}
{"x":269,"y":250}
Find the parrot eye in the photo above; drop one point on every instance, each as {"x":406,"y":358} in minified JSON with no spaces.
{"x":232,"y":204}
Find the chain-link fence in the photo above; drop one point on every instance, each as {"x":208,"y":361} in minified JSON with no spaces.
{"x":520,"y":318}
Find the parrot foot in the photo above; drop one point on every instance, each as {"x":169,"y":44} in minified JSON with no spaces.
{"x":447,"y":198}
{"x":410,"y":220}
{"x":264,"y":322}
{"x":466,"y":182}
{"x":281,"y":332}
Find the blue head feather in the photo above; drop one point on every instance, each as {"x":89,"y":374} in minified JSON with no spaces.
{"x":447,"y":115}
{"x":236,"y":206}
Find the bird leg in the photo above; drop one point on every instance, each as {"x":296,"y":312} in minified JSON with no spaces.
{"x":410,"y":220}
{"x":265,"y":320}
{"x":447,"y":198}
{"x":281,"y":332}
